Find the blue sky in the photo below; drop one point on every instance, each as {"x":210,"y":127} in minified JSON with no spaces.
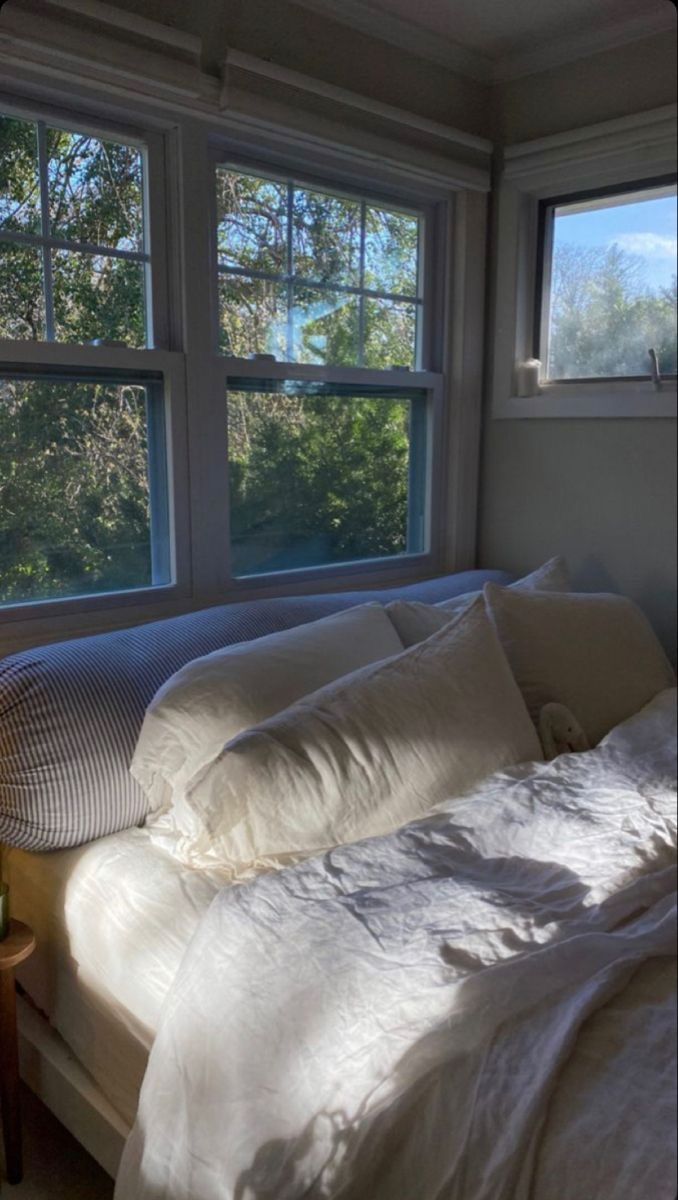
{"x":646,"y":228}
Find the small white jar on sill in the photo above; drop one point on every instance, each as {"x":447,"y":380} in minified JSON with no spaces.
{"x":527,"y":377}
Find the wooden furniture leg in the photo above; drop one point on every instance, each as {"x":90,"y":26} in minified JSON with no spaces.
{"x":17,"y":946}
{"x":9,"y":1078}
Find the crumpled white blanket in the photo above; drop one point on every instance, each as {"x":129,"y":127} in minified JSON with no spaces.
{"x":439,"y":1014}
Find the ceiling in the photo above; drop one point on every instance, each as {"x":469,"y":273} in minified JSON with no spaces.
{"x":501,"y":39}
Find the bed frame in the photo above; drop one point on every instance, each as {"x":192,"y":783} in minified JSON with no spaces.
{"x":64,"y":1086}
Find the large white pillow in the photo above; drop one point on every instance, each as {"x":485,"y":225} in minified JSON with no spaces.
{"x":215,"y":697}
{"x":415,"y":621}
{"x":369,"y":752}
{"x":594,"y":652}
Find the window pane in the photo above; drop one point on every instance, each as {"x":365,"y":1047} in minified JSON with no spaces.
{"x":391,"y":252}
{"x":98,"y":297}
{"x":19,"y":183}
{"x":253,"y":317}
{"x":326,"y":238}
{"x":341,"y":251}
{"x":95,"y":191}
{"x":320,"y":474}
{"x":252,"y":222}
{"x":390,"y":334}
{"x":22,"y":305}
{"x":75,"y":487}
{"x":613,"y":286}
{"x":326,"y":327}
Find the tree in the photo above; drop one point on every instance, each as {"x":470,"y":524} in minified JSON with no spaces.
{"x":315,"y":478}
{"x":74,"y":506}
{"x":604,"y":317}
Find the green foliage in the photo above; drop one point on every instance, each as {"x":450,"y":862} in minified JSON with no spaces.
{"x":73,"y":489}
{"x":74,"y":512}
{"x":324,"y":478}
{"x":316,"y":479}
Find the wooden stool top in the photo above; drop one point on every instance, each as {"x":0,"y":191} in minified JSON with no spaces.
{"x":19,"y":943}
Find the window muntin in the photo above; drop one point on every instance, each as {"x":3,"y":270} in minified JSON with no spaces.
{"x":83,"y":485}
{"x":608,"y":284}
{"x":325,"y":473}
{"x":315,"y":277}
{"x":74,"y":261}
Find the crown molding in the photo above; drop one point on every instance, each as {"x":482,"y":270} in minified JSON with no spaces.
{"x":101,"y":43}
{"x":405,"y":35}
{"x":249,"y":64}
{"x":119,"y":19}
{"x":143,"y":85}
{"x":583,"y":44}
{"x":122,"y":43}
{"x":370,"y":19}
{"x":640,"y":135}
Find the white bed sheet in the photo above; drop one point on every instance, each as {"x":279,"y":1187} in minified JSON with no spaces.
{"x":112,"y":920}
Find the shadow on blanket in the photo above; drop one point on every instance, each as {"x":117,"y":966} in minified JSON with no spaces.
{"x":371,"y":1137}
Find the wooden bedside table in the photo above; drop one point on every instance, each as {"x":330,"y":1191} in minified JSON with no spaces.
{"x":17,"y":946}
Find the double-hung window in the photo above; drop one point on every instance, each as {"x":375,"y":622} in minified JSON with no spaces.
{"x":606,"y":294}
{"x":85,"y":417}
{"x":322,"y":322}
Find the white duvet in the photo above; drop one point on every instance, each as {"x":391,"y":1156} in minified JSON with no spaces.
{"x":476,"y":1007}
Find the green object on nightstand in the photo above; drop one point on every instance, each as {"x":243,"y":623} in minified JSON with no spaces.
{"x":4,"y":911}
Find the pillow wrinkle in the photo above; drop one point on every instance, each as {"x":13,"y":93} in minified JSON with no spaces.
{"x":370,"y":752}
{"x":214,"y":698}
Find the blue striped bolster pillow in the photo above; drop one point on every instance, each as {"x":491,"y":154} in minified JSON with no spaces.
{"x":70,"y":713}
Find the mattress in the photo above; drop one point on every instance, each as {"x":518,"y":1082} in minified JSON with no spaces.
{"x":112,"y":920}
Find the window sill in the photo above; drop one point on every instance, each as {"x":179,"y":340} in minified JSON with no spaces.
{"x":572,"y":401}
{"x":24,"y":626}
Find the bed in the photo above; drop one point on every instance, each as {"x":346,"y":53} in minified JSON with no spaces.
{"x":70,"y":715}
{"x":452,"y":978}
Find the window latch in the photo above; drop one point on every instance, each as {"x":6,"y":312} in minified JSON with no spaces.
{"x":654,"y":368}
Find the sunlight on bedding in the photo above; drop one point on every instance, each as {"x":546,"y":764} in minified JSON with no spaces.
{"x":330,"y":1021}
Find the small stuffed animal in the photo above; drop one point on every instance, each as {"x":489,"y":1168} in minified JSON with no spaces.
{"x":560,"y":731}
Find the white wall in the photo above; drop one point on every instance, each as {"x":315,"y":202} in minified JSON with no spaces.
{"x":614,"y":83}
{"x":602,"y":492}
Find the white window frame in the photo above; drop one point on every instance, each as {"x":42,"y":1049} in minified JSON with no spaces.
{"x":182,"y":149}
{"x":161,"y":363}
{"x":612,"y":154}
{"x":431,"y":382}
{"x":47,"y":357}
{"x":543,"y":297}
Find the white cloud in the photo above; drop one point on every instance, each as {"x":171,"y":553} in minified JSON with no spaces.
{"x":649,"y":245}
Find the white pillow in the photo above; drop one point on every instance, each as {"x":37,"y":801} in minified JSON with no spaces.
{"x":596,"y":653}
{"x":215,"y":697}
{"x":415,"y":621}
{"x":369,"y":752}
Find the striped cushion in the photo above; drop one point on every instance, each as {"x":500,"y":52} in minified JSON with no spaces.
{"x":70,"y":712}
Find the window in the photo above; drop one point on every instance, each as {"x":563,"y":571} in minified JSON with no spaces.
{"x":85,"y":480}
{"x":316,"y":277}
{"x":83,"y":497}
{"x":608,"y":288}
{"x":73,"y":245}
{"x":328,"y":454}
{"x":324,"y":473}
